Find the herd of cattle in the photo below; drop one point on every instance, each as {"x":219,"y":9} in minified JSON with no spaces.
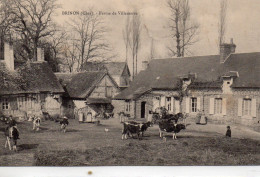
{"x":168,"y":123}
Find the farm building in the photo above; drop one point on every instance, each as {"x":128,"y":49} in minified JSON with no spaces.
{"x":87,"y":93}
{"x":119,"y":71}
{"x":226,"y":87}
{"x":29,"y":88}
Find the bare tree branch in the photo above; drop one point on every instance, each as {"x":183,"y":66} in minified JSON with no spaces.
{"x":183,"y":32}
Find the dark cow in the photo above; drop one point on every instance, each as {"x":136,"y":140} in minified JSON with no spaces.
{"x":133,"y":127}
{"x":168,"y":126}
{"x":64,"y":123}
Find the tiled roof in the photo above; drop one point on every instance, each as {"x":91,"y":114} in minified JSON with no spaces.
{"x":164,"y":73}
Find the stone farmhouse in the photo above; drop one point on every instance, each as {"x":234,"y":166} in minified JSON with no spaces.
{"x":119,"y":71}
{"x":226,"y":87}
{"x":88,"y":93}
{"x":29,"y":88}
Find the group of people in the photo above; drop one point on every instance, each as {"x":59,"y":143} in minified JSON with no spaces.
{"x":12,"y":132}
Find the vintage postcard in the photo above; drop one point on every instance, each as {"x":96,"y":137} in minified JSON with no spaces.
{"x":129,"y":83}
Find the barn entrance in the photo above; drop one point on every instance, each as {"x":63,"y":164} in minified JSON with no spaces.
{"x":143,"y":109}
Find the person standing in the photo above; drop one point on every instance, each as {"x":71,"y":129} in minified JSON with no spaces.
{"x":228,"y":133}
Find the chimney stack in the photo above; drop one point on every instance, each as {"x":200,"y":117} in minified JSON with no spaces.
{"x":40,"y":54}
{"x":144,"y":65}
{"x":226,"y":50}
{"x":9,"y":56}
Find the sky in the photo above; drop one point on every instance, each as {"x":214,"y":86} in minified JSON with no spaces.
{"x":243,"y":24}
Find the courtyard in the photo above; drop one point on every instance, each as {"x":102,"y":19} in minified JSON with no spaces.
{"x":87,"y":144}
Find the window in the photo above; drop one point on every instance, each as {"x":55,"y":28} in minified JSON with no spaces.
{"x":218,"y":106}
{"x":127,"y":106}
{"x":109,"y":92}
{"x":168,"y":103}
{"x":5,"y":104}
{"x":246,"y":107}
{"x":193,"y":104}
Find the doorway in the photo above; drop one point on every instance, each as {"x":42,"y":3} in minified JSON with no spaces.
{"x":143,"y":109}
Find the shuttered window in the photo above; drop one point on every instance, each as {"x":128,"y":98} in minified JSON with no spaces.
{"x":253,"y":110}
{"x":127,"y":106}
{"x":109,"y":92}
{"x":211,"y":106}
{"x":163,"y":101}
{"x":218,"y":106}
{"x":187,"y":104}
{"x":168,"y":103}
{"x":193,"y":104}
{"x":246,"y":107}
{"x":156,"y":102}
{"x":5,"y":104}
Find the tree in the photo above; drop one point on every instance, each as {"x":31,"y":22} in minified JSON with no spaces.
{"x":183,"y":31}
{"x":135,"y":40}
{"x":89,"y":31}
{"x":34,"y":22}
{"x":69,"y":52}
{"x":222,"y":22}
{"x":6,"y":18}
{"x":54,"y":48}
{"x":126,"y":37}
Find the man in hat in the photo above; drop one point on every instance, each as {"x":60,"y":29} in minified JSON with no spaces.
{"x":64,"y":123}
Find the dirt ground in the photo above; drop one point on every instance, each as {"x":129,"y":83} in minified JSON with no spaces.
{"x":92,"y":145}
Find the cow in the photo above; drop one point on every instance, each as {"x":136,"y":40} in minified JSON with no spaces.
{"x":11,"y":133}
{"x":36,"y":123}
{"x":133,"y":127}
{"x":168,"y":126}
{"x":64,"y":123}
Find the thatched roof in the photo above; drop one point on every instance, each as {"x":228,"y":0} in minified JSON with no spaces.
{"x":32,"y":77}
{"x":113,"y":68}
{"x":79,"y":85}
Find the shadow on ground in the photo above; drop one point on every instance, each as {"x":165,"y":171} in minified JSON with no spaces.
{"x":22,"y":147}
{"x":72,"y":130}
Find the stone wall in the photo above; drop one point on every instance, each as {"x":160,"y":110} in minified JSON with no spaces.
{"x":229,"y":114}
{"x":232,"y":110}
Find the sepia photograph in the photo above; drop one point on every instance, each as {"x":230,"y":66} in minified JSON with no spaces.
{"x":129,"y":83}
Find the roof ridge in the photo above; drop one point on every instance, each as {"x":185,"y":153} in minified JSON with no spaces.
{"x":244,"y":53}
{"x":80,"y":72}
{"x":185,"y":57}
{"x":204,"y":55}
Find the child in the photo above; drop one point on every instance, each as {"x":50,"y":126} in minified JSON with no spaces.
{"x":228,"y":133}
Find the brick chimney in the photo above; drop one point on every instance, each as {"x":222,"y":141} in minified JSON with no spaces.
{"x":226,"y":50}
{"x":9,"y":56}
{"x":144,"y":65}
{"x":40,"y":54}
